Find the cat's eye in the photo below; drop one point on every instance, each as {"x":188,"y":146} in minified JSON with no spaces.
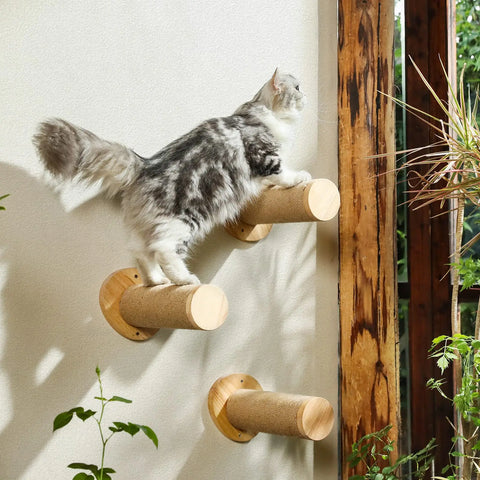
{"x":297,"y":88}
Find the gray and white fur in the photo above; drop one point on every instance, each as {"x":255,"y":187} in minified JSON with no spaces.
{"x":200,"y":180}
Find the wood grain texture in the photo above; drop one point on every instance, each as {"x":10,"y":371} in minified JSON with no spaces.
{"x":368,"y":330}
{"x":280,"y":414}
{"x":240,"y":409}
{"x":196,"y":307}
{"x":218,"y":397}
{"x":137,"y":312}
{"x":429,"y":36}
{"x":317,"y":200}
{"x":110,"y":295}
{"x":248,"y":233}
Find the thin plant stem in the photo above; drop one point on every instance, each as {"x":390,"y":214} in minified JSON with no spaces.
{"x":99,"y":423}
{"x":455,"y":320}
{"x":474,"y":373}
{"x":477,"y":322}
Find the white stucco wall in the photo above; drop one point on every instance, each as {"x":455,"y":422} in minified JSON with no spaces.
{"x":142,"y":73}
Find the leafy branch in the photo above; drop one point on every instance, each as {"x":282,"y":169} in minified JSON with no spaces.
{"x":101,"y":472}
{"x":374,"y":452}
{"x":465,"y":351}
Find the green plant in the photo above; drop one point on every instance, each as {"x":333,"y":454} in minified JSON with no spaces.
{"x":3,"y":197}
{"x":101,"y":472}
{"x":468,"y":38}
{"x":375,"y":451}
{"x":448,"y":172}
{"x":466,"y":350}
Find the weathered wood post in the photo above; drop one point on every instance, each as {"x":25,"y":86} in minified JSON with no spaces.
{"x":368,"y":334}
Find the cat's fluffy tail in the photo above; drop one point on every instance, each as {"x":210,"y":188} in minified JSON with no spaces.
{"x":68,"y":151}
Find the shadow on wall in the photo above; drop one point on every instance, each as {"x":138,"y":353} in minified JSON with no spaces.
{"x":231,"y":457}
{"x":280,"y":336}
{"x":52,"y":264}
{"x":52,"y":331}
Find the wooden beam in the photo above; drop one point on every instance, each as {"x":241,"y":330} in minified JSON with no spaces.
{"x":428,"y":37}
{"x":368,"y":331}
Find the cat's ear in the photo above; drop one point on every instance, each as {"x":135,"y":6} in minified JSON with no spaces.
{"x":275,"y":81}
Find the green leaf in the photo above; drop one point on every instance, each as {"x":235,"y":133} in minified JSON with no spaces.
{"x":150,"y":434}
{"x":62,"y":419}
{"x":85,"y":466}
{"x":450,"y":356}
{"x":2,"y":198}
{"x":85,"y":414}
{"x":119,"y":399}
{"x":91,"y":468}
{"x":439,"y":339}
{"x":83,"y":476}
{"x":442,"y":363}
{"x":130,"y":428}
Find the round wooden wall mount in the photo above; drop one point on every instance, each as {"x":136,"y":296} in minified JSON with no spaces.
{"x":218,"y":396}
{"x":111,"y":293}
{"x":246,"y":232}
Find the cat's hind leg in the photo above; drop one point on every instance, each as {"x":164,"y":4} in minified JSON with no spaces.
{"x":174,"y":267}
{"x":171,"y":247}
{"x":150,"y":270}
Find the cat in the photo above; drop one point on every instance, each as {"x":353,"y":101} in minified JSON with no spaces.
{"x":202,"y":179}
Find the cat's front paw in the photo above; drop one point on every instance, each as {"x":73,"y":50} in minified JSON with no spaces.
{"x":156,"y":282}
{"x":187,"y":280}
{"x":294,"y":178}
{"x":302,"y":176}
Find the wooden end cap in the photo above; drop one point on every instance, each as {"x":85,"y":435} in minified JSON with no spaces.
{"x":207,"y":307}
{"x":315,"y":418}
{"x":321,"y":199}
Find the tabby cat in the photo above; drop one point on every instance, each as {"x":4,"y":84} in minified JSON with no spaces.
{"x":200,"y":180}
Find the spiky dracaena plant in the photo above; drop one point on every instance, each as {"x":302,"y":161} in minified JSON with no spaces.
{"x":449,"y":174}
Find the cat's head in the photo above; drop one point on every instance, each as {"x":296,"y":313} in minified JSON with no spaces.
{"x":283,"y":95}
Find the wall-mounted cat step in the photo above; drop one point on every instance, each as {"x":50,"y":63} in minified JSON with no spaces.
{"x":317,"y":200}
{"x":240,"y":409}
{"x":137,"y":312}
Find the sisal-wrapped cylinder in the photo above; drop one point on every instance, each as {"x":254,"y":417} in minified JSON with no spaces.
{"x":316,"y":200}
{"x":280,"y":413}
{"x":197,"y":307}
